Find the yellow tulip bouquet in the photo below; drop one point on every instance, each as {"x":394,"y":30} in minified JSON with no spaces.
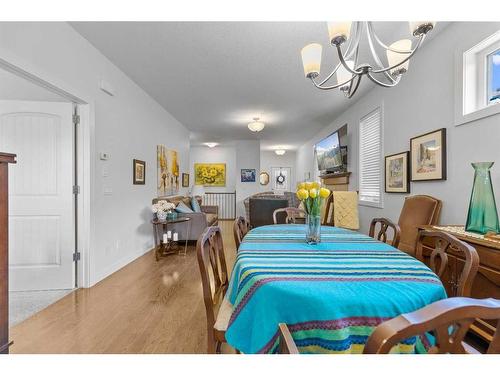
{"x":312,"y":196}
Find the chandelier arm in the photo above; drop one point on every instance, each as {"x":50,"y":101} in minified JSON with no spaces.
{"x":332,"y":87}
{"x":375,"y":80}
{"x":420,"y":41}
{"x":374,"y":52}
{"x":371,"y":30}
{"x":355,"y":45}
{"x":342,"y":61}
{"x":330,"y":75}
{"x":353,"y":91}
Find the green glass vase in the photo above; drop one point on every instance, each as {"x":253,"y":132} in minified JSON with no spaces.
{"x":483,"y":216}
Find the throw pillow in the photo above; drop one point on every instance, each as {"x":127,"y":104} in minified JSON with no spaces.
{"x":182,"y":208}
{"x":195,"y":205}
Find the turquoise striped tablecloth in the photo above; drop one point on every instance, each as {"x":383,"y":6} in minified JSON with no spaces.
{"x":332,"y":295}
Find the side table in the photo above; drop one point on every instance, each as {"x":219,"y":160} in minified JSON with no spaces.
{"x":160,"y":227}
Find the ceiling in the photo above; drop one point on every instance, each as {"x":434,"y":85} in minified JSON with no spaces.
{"x":214,"y":77}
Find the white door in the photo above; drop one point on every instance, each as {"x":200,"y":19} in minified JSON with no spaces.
{"x":41,"y":201}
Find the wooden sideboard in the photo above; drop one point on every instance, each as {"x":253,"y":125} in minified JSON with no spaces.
{"x":487,"y":281}
{"x":5,"y":160}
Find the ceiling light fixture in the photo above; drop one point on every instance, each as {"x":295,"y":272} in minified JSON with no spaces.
{"x":349,"y":71}
{"x":280,"y":152}
{"x":256,"y":125}
{"x":211,"y":144}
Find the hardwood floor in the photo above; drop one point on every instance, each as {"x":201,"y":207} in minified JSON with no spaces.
{"x":146,"y":307}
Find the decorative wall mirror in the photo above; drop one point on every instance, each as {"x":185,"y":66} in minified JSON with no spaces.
{"x":264,"y":178}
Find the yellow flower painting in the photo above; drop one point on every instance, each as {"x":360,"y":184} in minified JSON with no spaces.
{"x":210,"y":174}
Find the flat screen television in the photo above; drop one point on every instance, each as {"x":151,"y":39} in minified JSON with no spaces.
{"x":329,"y":154}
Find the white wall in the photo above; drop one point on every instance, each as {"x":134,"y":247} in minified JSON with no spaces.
{"x":128,"y":125}
{"x":269,"y":159}
{"x":422,"y":102}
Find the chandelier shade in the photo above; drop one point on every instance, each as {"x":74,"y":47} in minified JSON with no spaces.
{"x":397,"y":53}
{"x":280,"y":152}
{"x":339,"y":31}
{"x":311,"y":59}
{"x":345,"y":37}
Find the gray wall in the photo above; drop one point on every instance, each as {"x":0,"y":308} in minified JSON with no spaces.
{"x":422,"y":102}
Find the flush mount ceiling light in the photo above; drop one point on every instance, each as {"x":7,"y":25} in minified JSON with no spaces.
{"x":349,"y":70}
{"x":211,"y":144}
{"x":256,"y":125}
{"x":280,"y":152}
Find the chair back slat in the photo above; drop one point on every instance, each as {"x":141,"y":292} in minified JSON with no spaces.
{"x":240,"y":229}
{"x":448,"y":320}
{"x":381,"y":235}
{"x":329,"y":218}
{"x":291,"y":214}
{"x":213,"y":270}
{"x":439,"y":260}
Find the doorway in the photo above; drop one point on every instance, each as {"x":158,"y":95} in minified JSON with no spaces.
{"x":39,"y":126}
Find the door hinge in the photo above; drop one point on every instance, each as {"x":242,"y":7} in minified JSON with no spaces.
{"x":76,"y":256}
{"x":76,"y":119}
{"x":76,"y":189}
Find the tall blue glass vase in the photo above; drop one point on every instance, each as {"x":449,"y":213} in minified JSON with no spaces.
{"x":483,"y":216}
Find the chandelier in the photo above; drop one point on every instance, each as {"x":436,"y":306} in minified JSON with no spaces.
{"x":345,"y":37}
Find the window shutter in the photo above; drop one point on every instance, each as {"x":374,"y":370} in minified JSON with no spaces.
{"x":370,"y":159}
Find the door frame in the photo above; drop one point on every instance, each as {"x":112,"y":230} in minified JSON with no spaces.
{"x":85,"y":149}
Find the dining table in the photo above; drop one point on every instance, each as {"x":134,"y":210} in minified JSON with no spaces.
{"x":332,"y":294}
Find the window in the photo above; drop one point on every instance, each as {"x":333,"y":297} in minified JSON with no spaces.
{"x":478,"y":89}
{"x":370,"y":159}
{"x":493,"y":64}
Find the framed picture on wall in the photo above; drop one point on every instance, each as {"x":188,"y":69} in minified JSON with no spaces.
{"x":139,"y":172}
{"x":428,"y":156}
{"x":397,"y":173}
{"x":185,"y":180}
{"x":248,"y":175}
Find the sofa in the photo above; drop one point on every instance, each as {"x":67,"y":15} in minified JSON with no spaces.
{"x":199,"y":220}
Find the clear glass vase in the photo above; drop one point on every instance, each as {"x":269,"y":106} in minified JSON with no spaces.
{"x":313,"y":229}
{"x":483,"y":216}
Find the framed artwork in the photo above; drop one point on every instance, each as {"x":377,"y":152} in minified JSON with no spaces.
{"x":281,"y":178}
{"x":168,"y":171}
{"x":139,"y":172}
{"x":210,"y":174}
{"x":428,"y":156}
{"x":248,"y":175}
{"x":185,"y":180}
{"x":397,"y":173}
{"x":264,"y":178}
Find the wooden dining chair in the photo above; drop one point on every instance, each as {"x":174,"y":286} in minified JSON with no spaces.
{"x":385,"y":224}
{"x":240,"y":229}
{"x":214,"y":280}
{"x":329,"y":218}
{"x":417,"y":210}
{"x":286,"y":344}
{"x":448,"y":320}
{"x":291,"y":214}
{"x":439,"y":260}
